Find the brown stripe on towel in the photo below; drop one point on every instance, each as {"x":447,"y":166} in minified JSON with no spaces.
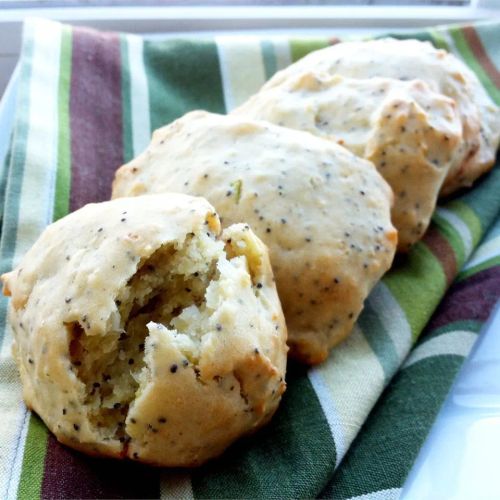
{"x":470,"y":299}
{"x":480,"y":53}
{"x":70,"y":474}
{"x":443,"y":251}
{"x":95,"y":115}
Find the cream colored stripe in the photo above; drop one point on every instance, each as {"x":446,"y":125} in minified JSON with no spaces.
{"x":139,"y":95}
{"x":175,"y":486}
{"x":17,"y":461}
{"x":12,"y":428}
{"x":242,"y":68}
{"x":35,"y":211}
{"x":392,"y":317}
{"x":332,"y":416}
{"x":37,"y":192}
{"x":460,"y":226}
{"x":458,"y":342}
{"x":349,"y":382}
{"x":389,"y":494}
{"x":485,"y":252}
{"x":282,"y":52}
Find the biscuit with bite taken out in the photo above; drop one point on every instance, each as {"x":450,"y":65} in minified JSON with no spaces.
{"x":142,"y":331}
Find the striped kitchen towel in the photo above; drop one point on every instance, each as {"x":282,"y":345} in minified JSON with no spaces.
{"x":401,"y":420}
{"x":86,"y":103}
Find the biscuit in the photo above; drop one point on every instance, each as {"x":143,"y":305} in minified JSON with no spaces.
{"x":412,"y":134}
{"x":141,"y":331}
{"x":323,"y":212}
{"x":442,"y":71}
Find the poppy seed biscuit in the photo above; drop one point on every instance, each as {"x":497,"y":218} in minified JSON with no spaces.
{"x":141,"y":331}
{"x":411,"y":134}
{"x":323,"y":212}
{"x":442,"y":71}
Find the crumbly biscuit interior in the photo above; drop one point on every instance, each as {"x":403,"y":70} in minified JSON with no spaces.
{"x":168,"y":288}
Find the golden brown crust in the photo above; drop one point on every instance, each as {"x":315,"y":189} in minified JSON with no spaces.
{"x":5,"y":281}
